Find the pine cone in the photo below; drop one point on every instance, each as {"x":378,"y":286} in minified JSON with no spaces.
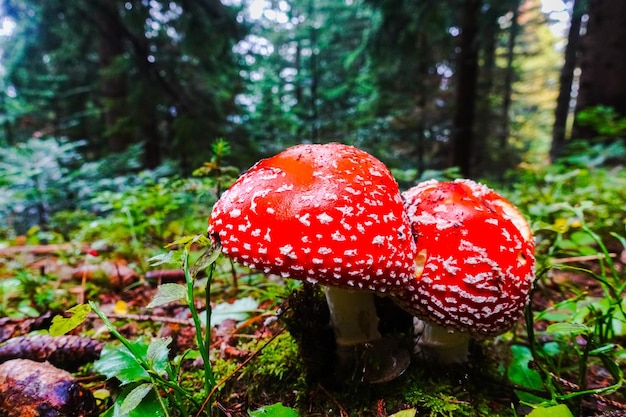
{"x":66,"y":352}
{"x":11,"y":327}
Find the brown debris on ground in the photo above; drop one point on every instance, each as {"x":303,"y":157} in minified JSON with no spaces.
{"x":36,"y":389}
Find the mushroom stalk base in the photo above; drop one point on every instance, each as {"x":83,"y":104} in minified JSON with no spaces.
{"x":353,"y":316}
{"x":362,"y":354}
{"x":437,"y":343}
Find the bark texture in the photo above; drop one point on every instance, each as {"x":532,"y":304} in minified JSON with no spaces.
{"x":603,"y":61}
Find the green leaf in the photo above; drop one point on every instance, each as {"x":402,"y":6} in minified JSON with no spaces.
{"x":520,"y":374}
{"x":209,"y":256}
{"x":274,"y":410}
{"x":613,"y":367}
{"x":163,"y":258}
{"x":61,"y":325}
{"x":168,"y":293}
{"x":239,"y":310}
{"x":187,"y":241}
{"x":552,"y":349}
{"x":132,"y":400}
{"x":118,"y":362}
{"x":10,"y":288}
{"x":149,"y":404}
{"x":621,"y":239}
{"x":157,"y":355}
{"x":582,"y":239}
{"x":567,"y":328}
{"x":560,"y":410}
{"x":411,"y":412}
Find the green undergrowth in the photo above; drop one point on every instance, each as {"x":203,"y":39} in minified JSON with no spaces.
{"x":575,"y":329}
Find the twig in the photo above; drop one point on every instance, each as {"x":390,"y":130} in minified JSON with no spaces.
{"x":581,"y":258}
{"x":42,"y":249}
{"x":243,"y":325}
{"x":574,"y":387}
{"x":145,"y":317}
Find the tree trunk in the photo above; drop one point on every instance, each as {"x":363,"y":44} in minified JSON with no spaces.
{"x":151,"y":144}
{"x":603,"y":61}
{"x":508,"y":76}
{"x":467,"y":74}
{"x":315,"y":75}
{"x":114,"y":84}
{"x":489,"y":126}
{"x":566,"y":79}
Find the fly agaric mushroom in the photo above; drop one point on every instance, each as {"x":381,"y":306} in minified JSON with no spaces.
{"x":327,"y":214}
{"x":474,"y":265}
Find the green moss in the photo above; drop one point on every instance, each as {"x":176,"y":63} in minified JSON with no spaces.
{"x":466,"y":390}
{"x":278,"y":360}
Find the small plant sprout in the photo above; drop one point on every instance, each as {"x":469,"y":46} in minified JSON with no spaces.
{"x":474,"y":266}
{"x":327,"y":214}
{"x":149,"y":377}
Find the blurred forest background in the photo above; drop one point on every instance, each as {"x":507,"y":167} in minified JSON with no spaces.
{"x":100,"y":95}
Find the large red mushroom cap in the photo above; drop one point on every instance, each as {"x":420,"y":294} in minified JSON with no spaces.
{"x":330,"y":214}
{"x":475,"y":257}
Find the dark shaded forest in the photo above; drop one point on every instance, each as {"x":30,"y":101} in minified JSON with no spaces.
{"x":477,"y":85}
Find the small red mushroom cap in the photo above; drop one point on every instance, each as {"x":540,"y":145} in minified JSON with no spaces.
{"x":330,"y":214}
{"x":475,"y":257}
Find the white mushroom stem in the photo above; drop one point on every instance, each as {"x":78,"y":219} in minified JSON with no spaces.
{"x":440,"y":344}
{"x":353,"y":316}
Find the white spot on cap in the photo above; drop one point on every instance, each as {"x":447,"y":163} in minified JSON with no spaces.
{"x":450,"y":266}
{"x":304,"y":219}
{"x":324,"y":251}
{"x":324,"y":218}
{"x":389,"y":217}
{"x":378,"y":240}
{"x":235,"y":213}
{"x":346,"y":210}
{"x":476,"y":279}
{"x":285,"y":250}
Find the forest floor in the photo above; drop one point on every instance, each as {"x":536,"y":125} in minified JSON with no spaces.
{"x":282,"y":349}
